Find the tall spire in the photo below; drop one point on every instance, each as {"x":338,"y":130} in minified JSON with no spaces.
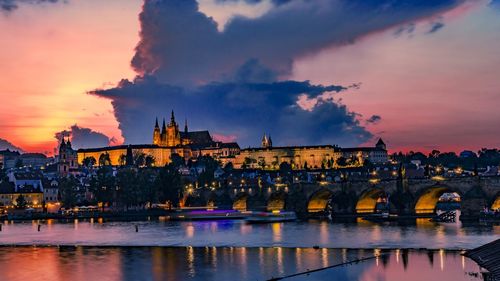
{"x":186,"y":126}
{"x":172,"y":118}
{"x":164,"y":128}
{"x":156,"y":123}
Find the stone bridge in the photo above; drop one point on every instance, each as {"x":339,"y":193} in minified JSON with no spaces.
{"x":405,"y":197}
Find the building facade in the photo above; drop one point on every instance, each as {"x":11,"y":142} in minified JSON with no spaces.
{"x":68,"y":159}
{"x":167,"y":141}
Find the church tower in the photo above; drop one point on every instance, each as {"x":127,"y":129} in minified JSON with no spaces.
{"x":163,"y":135}
{"x":265,"y":142}
{"x":173,"y":133}
{"x":68,"y":158}
{"x":381,"y":144}
{"x":157,"y":134}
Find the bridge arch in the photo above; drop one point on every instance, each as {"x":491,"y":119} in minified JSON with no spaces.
{"x":369,"y":199}
{"x":495,"y":205}
{"x":318,"y":201}
{"x":427,"y":199}
{"x":240,"y":202}
{"x":277,"y":201}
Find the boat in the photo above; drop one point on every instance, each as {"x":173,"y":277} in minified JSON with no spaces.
{"x":208,"y":215}
{"x":274,"y":216}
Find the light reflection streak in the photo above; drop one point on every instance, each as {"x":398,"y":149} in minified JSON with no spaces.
{"x":298,"y":257}
{"x":190,"y":261}
{"x":279,"y":259}
{"x":324,"y":257}
{"x":441,"y":259}
{"x":276,"y":227}
{"x":214,"y":257}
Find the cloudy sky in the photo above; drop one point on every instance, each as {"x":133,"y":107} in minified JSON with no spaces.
{"x":420,"y":74}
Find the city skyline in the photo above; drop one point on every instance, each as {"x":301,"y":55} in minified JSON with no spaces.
{"x":422,"y":78}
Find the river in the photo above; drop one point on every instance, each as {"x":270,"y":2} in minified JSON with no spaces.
{"x":224,"y":250}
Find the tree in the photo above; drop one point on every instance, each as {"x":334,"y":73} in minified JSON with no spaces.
{"x":102,"y":185}
{"x":149,"y":161}
{"x":139,"y":159}
{"x":341,"y":162}
{"x":262,"y":163}
{"x":177,"y":160}
{"x":210,"y":166}
{"x":168,"y":184}
{"x":89,"y":162}
{"x":21,"y":202}
{"x":68,"y":190}
{"x":128,"y":188}
{"x":249,"y":161}
{"x":147,"y":183}
{"x":104,"y":160}
{"x":228,"y":167}
{"x":305,"y":166}
{"x":285,"y":168}
{"x":122,"y":160}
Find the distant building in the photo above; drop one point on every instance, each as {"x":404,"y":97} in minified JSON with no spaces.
{"x":9,"y":194}
{"x":376,"y":155}
{"x":21,"y":180}
{"x":297,"y":156}
{"x":9,"y":158}
{"x":34,"y":160}
{"x":68,"y":159}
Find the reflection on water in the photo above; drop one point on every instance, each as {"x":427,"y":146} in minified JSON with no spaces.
{"x":227,"y":263}
{"x":419,"y":234}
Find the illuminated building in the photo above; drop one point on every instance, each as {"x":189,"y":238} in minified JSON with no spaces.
{"x":167,"y":141}
{"x":68,"y":159}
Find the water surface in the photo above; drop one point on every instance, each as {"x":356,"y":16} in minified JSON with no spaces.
{"x":227,"y":263}
{"x":230,"y":233}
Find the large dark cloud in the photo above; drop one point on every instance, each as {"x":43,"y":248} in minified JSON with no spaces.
{"x":84,"y":137}
{"x":179,"y":44}
{"x":237,"y":108}
{"x":233,"y":82}
{"x":5,"y":144}
{"x":11,"y":5}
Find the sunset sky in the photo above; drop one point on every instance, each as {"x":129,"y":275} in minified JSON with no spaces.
{"x":427,"y":76}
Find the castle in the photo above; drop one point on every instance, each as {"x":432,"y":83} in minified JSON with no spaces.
{"x":169,"y":140}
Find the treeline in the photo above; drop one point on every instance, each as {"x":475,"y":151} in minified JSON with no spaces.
{"x":124,"y":188}
{"x":138,"y":184}
{"x":468,"y":159}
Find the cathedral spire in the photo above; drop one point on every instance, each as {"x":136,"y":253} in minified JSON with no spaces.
{"x":164,"y":128}
{"x":172,"y":118}
{"x":156,"y":124}
{"x":186,"y":126}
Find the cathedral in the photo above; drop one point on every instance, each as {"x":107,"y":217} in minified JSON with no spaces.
{"x":171,"y":136}
{"x":167,"y":141}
